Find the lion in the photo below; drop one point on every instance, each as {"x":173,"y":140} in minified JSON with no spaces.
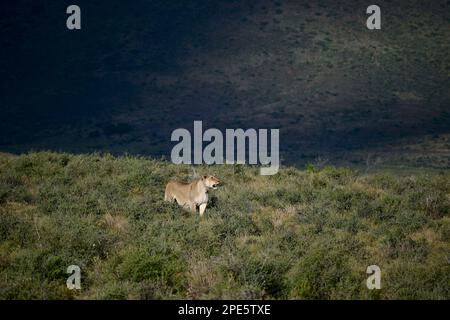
{"x":191,"y":195}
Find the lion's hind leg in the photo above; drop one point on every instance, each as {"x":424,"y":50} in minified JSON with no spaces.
{"x":193,"y":206}
{"x":168,"y":197}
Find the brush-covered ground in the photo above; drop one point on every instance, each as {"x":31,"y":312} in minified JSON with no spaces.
{"x":300,"y":234}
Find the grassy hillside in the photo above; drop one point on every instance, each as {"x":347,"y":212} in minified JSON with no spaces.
{"x":299,"y":234}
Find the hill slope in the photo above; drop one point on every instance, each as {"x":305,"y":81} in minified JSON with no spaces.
{"x":299,"y":234}
{"x":133,"y":74}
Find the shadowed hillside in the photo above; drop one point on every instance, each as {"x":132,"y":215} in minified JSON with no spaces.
{"x":134,"y":73}
{"x":298,"y":234}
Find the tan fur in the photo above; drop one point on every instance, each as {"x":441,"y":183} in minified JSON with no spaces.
{"x":191,"y":195}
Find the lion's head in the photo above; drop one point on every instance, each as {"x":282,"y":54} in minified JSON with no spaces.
{"x":210,"y":182}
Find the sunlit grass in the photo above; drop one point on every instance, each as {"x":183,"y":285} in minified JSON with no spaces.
{"x":298,"y":234}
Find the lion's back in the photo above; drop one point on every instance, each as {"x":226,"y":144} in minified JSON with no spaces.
{"x":176,"y":189}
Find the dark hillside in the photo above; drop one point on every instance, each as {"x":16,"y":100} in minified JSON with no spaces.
{"x":134,"y":73}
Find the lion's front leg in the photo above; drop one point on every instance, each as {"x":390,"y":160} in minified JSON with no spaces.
{"x":202,"y":208}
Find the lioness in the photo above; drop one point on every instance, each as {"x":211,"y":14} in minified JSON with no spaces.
{"x":191,"y":195}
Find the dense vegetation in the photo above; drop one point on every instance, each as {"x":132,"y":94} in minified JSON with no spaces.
{"x":299,"y":234}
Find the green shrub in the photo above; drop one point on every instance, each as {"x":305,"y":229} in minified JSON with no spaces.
{"x":140,"y":264}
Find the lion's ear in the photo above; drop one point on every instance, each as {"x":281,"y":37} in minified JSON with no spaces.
{"x":204,"y":177}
